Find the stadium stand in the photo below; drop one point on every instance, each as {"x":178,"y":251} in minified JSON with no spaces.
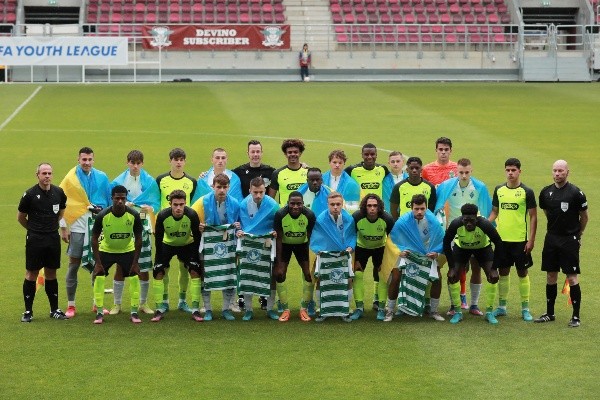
{"x":425,"y":21}
{"x":115,"y":14}
{"x":8,"y":11}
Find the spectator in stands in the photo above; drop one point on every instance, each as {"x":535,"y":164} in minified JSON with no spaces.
{"x":305,"y":62}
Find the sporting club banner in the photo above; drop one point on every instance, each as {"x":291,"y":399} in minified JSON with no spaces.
{"x":216,"y":37}
{"x":63,"y":50}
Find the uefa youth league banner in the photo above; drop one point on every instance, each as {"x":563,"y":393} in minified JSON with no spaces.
{"x":63,"y":50}
{"x":216,"y":37}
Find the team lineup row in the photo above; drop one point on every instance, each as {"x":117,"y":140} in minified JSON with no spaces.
{"x":332,"y":222}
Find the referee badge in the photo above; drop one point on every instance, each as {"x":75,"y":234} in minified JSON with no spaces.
{"x":564,"y":206}
{"x":55,"y":208}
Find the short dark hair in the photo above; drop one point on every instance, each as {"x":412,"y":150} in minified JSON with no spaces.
{"x":254,"y":142}
{"x":368,"y":146}
{"x":464,"y":162}
{"x":86,"y":150}
{"x":363,"y":204}
{"x":513,"y":161}
{"x":338,"y":154}
{"x":135,"y":156}
{"x":287,"y":143}
{"x":118,"y":189}
{"x":419,"y":199}
{"x":313,"y":169}
{"x":176,"y":153}
{"x":221,"y":179}
{"x":443,"y":140}
{"x":256,"y":182}
{"x":414,"y":159}
{"x":469,"y":209}
{"x":177,"y":194}
{"x":295,"y":193}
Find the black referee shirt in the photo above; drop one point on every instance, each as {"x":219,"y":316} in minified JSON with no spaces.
{"x":562,"y":207}
{"x":42,"y":208}
{"x":246,"y":173}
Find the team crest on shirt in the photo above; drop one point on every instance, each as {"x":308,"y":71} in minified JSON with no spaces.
{"x":253,"y":256}
{"x":411,"y":269}
{"x":337,"y":275}
{"x":55,"y":208}
{"x":220,"y":250}
{"x":564,"y":206}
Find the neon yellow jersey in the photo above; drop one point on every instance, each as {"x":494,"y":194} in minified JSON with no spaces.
{"x":118,"y":232}
{"x":166,"y":184}
{"x":286,"y":181}
{"x":513,"y":204}
{"x":369,"y":180}
{"x":404,"y":191}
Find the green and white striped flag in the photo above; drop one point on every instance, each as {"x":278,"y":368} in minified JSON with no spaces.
{"x":145,"y":260}
{"x":87,"y":255}
{"x":256,"y":255}
{"x":334,"y":270}
{"x":218,"y":245}
{"x":417,"y":272}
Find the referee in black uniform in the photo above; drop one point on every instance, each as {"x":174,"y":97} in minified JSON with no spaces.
{"x":565,"y":207}
{"x":40,"y":210}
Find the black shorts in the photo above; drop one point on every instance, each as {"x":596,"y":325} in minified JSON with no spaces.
{"x":561,"y":253}
{"x":42,"y":250}
{"x":300,"y":251}
{"x":514,"y":254}
{"x":462,"y":256}
{"x":188,"y":254}
{"x":124,"y":260}
{"x":361,"y":255}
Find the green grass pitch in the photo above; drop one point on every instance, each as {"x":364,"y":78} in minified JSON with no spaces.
{"x":408,"y":358}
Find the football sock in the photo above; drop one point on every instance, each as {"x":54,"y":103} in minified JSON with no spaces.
{"x":134,"y":288}
{"x":206,"y":300}
{"x":376,"y":291}
{"x":391,"y":303}
{"x":51,"y":287}
{"x":99,"y":292}
{"x":283,"y":295}
{"x":307,"y":293}
{"x":491,"y":289}
{"x":503,"y":288}
{"x":359,"y":287}
{"x":184,"y":280}
{"x":551,"y":292}
{"x":144,"y":286}
{"x":382,"y":292}
{"x":452,"y":304}
{"x":227,"y":296}
{"x":72,"y":281}
{"x":435,"y":304}
{"x":271,"y":300}
{"x":28,"y":294}
{"x":195,"y":288}
{"x":118,"y":291}
{"x":524,"y":290}
{"x":166,"y":281}
{"x":463,"y":281}
{"x":475,"y":291}
{"x":158,"y":289}
{"x":454,"y":289}
{"x":248,"y":302}
{"x":576,"y":299}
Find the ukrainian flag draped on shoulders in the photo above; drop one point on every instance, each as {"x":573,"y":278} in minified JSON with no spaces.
{"x":320,"y":203}
{"x":406,"y":235}
{"x":235,"y":185}
{"x":445,"y":189}
{"x":202,"y":189}
{"x":326,"y":235}
{"x":82,"y":190}
{"x":388,"y":185}
{"x":150,"y":192}
{"x":260,"y":223}
{"x":208,"y":212}
{"x":347,"y":186}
